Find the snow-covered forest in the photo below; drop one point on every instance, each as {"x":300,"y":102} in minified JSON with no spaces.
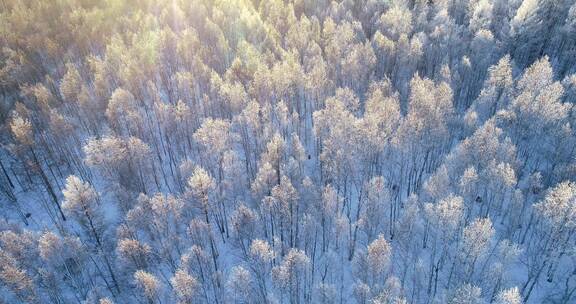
{"x":288,"y":151}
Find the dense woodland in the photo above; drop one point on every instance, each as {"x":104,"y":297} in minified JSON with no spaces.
{"x":296,"y":151}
